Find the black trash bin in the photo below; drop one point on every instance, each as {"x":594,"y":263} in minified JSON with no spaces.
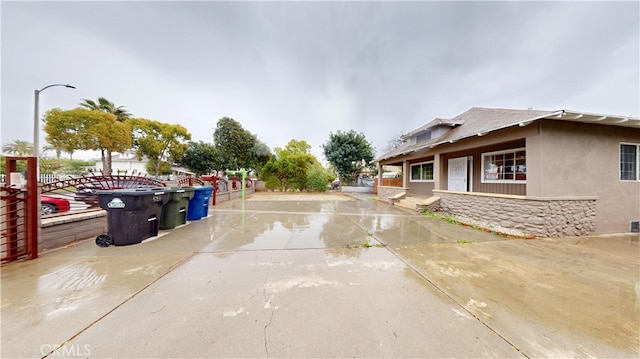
{"x":174,"y":212}
{"x":133,"y":215}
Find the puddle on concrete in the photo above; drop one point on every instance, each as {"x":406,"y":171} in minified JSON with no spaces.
{"x":262,"y":225}
{"x":76,"y":276}
{"x":268,"y":230}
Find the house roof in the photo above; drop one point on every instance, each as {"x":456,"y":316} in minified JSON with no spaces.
{"x":434,"y":123}
{"x":479,"y":121}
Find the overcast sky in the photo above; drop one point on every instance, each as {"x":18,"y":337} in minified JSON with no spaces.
{"x":301,"y":70}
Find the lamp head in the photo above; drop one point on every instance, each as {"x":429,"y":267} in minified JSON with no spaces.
{"x":69,"y":86}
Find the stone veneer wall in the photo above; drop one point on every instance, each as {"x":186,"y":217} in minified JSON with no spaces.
{"x":384,"y":192}
{"x":542,"y":217}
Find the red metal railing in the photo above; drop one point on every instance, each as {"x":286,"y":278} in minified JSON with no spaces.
{"x":19,"y":217}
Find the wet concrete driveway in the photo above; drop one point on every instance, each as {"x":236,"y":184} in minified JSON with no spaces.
{"x":326,"y":276}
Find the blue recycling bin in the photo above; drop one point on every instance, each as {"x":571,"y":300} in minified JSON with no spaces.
{"x":199,"y":204}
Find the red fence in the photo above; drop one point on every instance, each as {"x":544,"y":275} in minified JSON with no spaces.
{"x":19,"y":213}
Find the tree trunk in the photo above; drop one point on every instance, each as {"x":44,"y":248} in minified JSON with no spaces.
{"x":108,"y":163}
{"x":104,"y":162}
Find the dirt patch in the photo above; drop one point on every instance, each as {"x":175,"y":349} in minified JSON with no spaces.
{"x":299,"y":196}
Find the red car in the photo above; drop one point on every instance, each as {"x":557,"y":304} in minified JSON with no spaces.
{"x":52,"y":205}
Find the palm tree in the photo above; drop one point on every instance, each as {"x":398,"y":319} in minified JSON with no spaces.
{"x":18,"y":147}
{"x":107,"y":106}
{"x":57,"y":150}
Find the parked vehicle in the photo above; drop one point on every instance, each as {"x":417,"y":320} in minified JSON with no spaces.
{"x":86,"y":193}
{"x":52,"y":205}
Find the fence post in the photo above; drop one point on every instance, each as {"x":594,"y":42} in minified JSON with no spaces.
{"x":32,"y":222}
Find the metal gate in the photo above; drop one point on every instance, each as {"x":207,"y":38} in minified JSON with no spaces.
{"x":19,"y":210}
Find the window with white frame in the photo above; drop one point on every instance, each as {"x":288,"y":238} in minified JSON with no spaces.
{"x":505,"y":166}
{"x":422,"y":172}
{"x":629,"y":162}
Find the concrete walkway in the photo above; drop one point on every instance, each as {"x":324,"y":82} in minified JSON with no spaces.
{"x":325,"y":276}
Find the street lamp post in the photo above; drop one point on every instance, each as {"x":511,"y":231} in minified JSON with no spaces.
{"x":36,"y":119}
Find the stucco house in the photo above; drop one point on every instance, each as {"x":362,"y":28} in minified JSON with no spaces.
{"x":546,"y":173}
{"x":126,"y":162}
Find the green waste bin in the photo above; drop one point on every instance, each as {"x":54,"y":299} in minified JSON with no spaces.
{"x":132,"y":215}
{"x":174,"y":212}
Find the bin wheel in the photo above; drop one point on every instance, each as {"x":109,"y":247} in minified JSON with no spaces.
{"x":104,"y":240}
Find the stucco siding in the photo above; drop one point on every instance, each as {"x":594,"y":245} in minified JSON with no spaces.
{"x":583,"y":160}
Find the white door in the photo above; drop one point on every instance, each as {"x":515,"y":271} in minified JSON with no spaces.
{"x":457,"y":174}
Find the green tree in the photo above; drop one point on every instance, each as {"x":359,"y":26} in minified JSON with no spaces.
{"x":318,"y":178}
{"x":261,"y":154}
{"x":200,"y":158}
{"x":349,"y":152}
{"x":159,"y":167}
{"x":121,"y":115}
{"x":49,"y":165}
{"x":238,"y":148}
{"x":82,"y":129}
{"x":289,"y":165}
{"x":18,"y":148}
{"x":158,"y":141}
{"x":76,"y":167}
{"x":107,"y":106}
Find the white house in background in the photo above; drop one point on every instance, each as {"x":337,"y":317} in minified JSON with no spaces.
{"x":127,"y":161}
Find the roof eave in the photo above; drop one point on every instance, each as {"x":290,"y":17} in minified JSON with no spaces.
{"x":483,"y":133}
{"x":612,"y":120}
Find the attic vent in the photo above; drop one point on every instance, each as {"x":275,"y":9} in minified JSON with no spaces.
{"x":635,"y":226}
{"x":423,"y":137}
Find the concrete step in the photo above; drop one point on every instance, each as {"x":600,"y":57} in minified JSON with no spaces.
{"x":407,"y":202}
{"x":416,"y":203}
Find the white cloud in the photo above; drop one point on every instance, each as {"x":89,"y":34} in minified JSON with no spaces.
{"x":301,"y":70}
